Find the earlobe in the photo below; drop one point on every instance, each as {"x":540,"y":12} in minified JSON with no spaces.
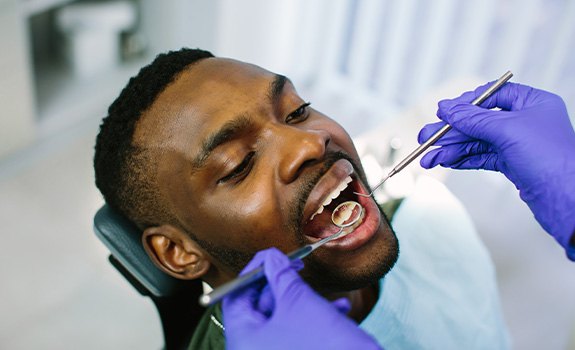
{"x":175,"y":252}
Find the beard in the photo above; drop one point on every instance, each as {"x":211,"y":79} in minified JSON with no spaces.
{"x":325,"y":279}
{"x":319,"y":275}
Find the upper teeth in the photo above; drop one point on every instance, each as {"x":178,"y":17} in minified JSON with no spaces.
{"x":334,"y":194}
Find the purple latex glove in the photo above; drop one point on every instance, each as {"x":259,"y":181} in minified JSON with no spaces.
{"x":530,"y":140}
{"x":286,"y":313}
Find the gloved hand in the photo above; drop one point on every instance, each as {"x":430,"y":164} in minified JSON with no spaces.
{"x":530,"y":140}
{"x":286,"y":313}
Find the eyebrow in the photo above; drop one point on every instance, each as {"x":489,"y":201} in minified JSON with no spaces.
{"x":276,"y":87}
{"x":237,"y":126}
{"x":229,"y":131}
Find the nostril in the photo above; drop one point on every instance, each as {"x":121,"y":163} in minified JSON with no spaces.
{"x":306,"y":149}
{"x":307,"y":163}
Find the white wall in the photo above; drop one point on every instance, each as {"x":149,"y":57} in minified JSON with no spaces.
{"x":17,"y":127}
{"x":170,"y":25}
{"x":384,"y":56}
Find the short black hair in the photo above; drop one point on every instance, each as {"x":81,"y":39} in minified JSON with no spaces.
{"x":125,"y":172}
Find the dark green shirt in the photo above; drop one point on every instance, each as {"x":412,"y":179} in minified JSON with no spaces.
{"x":210,"y":331}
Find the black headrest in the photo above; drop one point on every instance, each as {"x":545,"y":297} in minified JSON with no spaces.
{"x":123,"y":239}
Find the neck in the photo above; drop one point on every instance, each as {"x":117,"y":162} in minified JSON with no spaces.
{"x":362,"y":301}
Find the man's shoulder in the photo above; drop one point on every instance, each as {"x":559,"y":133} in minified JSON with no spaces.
{"x":209,"y":334}
{"x":390,"y":207}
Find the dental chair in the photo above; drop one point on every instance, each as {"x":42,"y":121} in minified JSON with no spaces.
{"x":175,"y":300}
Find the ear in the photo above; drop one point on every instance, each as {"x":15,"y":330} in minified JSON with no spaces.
{"x":175,"y":252}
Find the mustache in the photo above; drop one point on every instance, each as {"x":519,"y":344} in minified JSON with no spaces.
{"x":309,"y":183}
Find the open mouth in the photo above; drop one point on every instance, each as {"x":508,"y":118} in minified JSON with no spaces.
{"x":320,"y":224}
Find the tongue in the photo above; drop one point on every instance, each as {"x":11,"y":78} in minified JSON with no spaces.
{"x":321,"y":226}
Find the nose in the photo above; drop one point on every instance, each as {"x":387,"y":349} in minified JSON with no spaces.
{"x":301,"y":148}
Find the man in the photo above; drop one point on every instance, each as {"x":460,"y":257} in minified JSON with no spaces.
{"x":530,"y":140}
{"x":215,"y":159}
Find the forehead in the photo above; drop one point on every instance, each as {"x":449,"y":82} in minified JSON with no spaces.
{"x":201,"y":97}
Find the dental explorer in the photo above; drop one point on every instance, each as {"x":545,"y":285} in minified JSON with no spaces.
{"x":424,"y":146}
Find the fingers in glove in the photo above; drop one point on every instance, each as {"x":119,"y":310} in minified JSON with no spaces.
{"x":342,"y":305}
{"x":509,"y":97}
{"x":255,"y":302}
{"x":280,"y":274}
{"x":242,"y":307}
{"x":452,"y":156}
{"x":275,"y":263}
{"x":473,"y":121}
{"x":266,"y":302}
{"x":428,"y":130}
{"x":257,"y":260}
{"x":487,"y":161}
{"x":452,"y":136}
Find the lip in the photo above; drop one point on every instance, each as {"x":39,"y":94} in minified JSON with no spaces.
{"x":371,"y":221}
{"x":328,"y":182}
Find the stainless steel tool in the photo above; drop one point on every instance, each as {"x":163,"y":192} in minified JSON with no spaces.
{"x":424,"y":146}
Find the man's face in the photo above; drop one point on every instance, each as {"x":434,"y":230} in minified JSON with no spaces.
{"x":245,"y":163}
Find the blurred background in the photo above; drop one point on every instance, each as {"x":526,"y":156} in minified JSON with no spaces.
{"x":378,"y":67}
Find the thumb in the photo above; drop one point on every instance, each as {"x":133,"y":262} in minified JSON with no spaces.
{"x":240,"y":308}
{"x":343,"y":305}
{"x":280,"y":272}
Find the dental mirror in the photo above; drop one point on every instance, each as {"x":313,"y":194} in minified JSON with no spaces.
{"x":345,"y":215}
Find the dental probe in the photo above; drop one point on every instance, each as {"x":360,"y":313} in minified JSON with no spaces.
{"x":424,"y":146}
{"x":258,"y":273}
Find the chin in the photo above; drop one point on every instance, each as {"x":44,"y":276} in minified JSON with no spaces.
{"x":327,"y":278}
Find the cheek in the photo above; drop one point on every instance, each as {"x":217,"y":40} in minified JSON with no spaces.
{"x":246,"y":220}
{"x":341,"y":138}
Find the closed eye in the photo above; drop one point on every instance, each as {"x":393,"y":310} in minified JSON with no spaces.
{"x":240,"y":171}
{"x":299,"y":114}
